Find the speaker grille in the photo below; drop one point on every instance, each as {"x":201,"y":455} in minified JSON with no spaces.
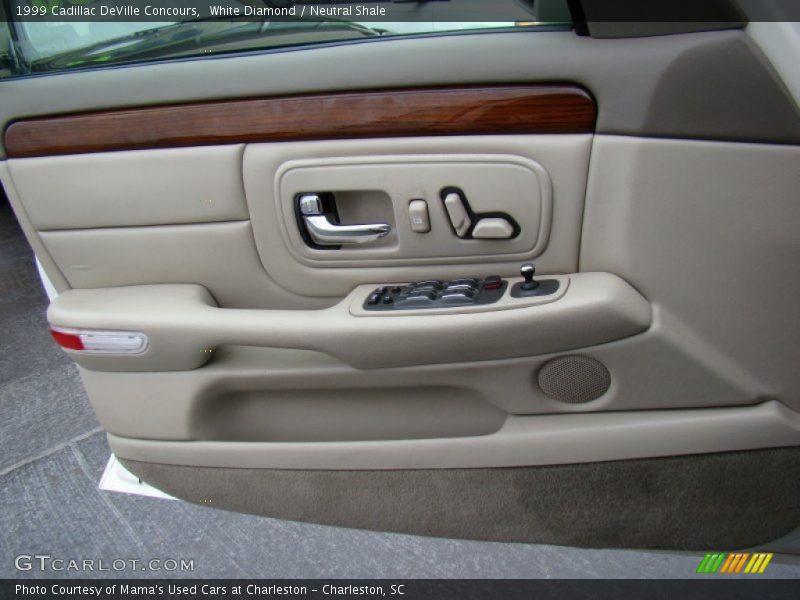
{"x":574,"y":379}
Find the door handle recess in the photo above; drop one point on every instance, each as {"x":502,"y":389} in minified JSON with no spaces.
{"x":324,"y":232}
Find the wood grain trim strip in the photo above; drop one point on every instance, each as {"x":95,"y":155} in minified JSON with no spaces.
{"x":409,"y":112}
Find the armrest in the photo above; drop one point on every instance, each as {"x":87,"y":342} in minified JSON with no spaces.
{"x":183,"y":324}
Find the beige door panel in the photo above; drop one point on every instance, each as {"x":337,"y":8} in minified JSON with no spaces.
{"x":672,"y":333}
{"x":164,"y":216}
{"x":125,"y":189}
{"x":220,"y":256}
{"x":262,"y":379}
{"x":394,"y":172}
{"x":57,"y":278}
{"x":709,"y":231}
{"x":521,"y":441}
{"x":303,"y":377}
{"x":621,"y":196}
{"x":183,"y":322}
{"x":515,"y":186}
{"x":641,"y":366}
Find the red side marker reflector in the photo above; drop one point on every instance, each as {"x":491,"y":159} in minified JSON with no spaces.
{"x":70,"y":341}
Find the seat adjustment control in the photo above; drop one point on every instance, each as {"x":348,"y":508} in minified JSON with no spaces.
{"x":469,"y":225}
{"x":492,"y":228}
{"x":434,"y":293}
{"x":459,"y":218}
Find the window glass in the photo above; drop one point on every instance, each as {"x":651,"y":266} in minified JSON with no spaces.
{"x":35,"y":41}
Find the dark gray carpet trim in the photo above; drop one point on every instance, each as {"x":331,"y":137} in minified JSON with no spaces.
{"x":701,"y":502}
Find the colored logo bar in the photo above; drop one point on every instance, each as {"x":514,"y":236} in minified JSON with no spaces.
{"x":735,"y":562}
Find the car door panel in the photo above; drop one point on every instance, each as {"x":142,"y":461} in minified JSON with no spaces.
{"x":657,"y":191}
{"x":717,"y":222}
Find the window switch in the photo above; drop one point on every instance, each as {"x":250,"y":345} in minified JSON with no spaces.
{"x":421,"y":301}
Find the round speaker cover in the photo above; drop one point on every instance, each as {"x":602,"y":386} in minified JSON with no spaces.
{"x":574,"y":379}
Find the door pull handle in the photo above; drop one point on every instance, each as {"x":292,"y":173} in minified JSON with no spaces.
{"x":324,"y":232}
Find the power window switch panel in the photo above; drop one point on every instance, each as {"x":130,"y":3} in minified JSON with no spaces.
{"x":418,"y":215}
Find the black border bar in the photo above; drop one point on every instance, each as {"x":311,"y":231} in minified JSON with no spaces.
{"x":701,"y":588}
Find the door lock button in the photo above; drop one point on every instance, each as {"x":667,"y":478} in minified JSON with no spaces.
{"x":418,"y":215}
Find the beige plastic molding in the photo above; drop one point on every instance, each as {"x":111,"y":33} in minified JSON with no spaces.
{"x":128,"y":189}
{"x":540,"y":180}
{"x":521,"y":441}
{"x":514,"y":185}
{"x":184,"y":325}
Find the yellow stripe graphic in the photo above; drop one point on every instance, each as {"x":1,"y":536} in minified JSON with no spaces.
{"x":757,"y":565}
{"x":765,"y":563}
{"x":753,"y":563}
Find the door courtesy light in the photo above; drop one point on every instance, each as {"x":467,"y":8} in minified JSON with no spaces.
{"x":100,"y":342}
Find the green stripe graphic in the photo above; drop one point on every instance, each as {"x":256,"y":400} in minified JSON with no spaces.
{"x":714,"y":568}
{"x":702,"y":567}
{"x":711,"y":563}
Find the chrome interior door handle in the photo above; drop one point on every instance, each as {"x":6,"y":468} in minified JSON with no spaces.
{"x":323,"y":232}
